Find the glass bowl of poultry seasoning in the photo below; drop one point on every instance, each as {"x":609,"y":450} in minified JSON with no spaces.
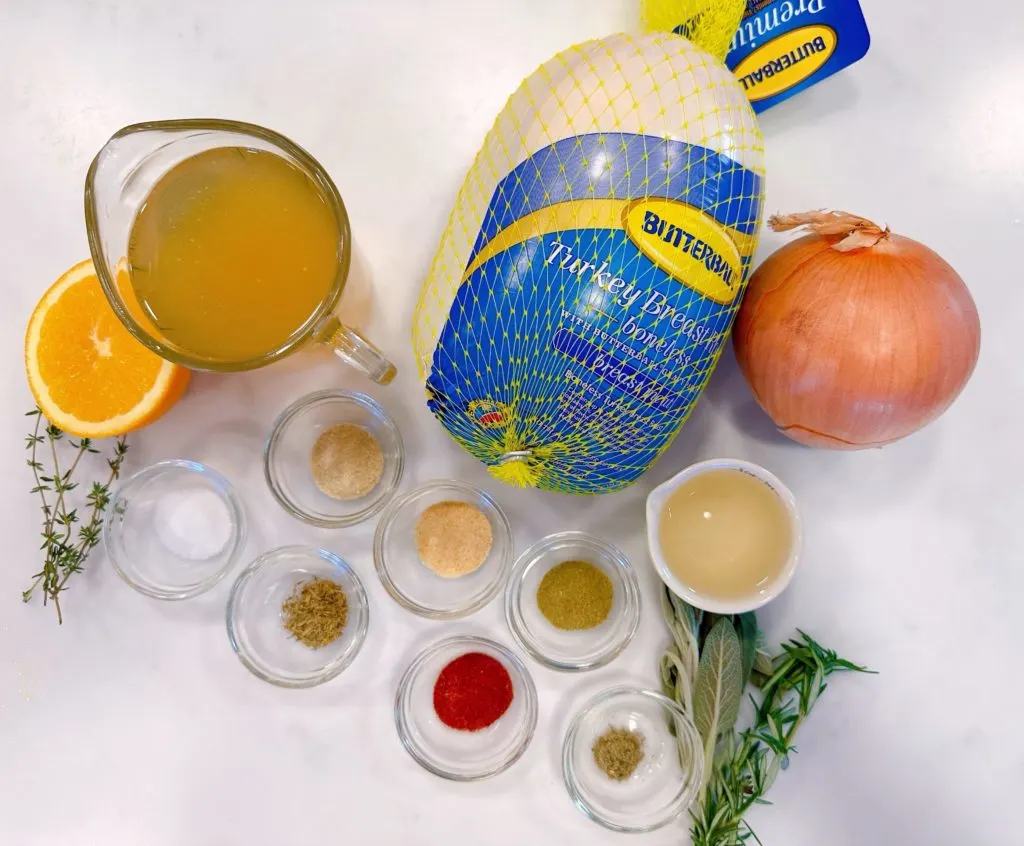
{"x":632,"y":760}
{"x":443,"y":550}
{"x":573,"y":601}
{"x":466,"y":708}
{"x":297,"y":616}
{"x":334,"y":458}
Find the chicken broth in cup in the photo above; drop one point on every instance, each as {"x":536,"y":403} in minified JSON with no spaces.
{"x":724,"y":535}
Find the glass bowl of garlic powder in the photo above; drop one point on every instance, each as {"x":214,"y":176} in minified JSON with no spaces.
{"x":334,"y":458}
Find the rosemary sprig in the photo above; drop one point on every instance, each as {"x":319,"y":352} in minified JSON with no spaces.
{"x":65,"y":548}
{"x":746,"y":763}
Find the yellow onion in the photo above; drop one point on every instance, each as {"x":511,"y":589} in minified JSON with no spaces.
{"x":852,"y":336}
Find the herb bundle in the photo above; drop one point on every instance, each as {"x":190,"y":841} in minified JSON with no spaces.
{"x":706,"y":669}
{"x":64,"y":548}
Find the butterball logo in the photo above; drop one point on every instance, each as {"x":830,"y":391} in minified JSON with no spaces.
{"x":687,"y":244}
{"x":786,"y":61}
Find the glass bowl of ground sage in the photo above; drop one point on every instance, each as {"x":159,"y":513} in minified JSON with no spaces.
{"x":443,"y":550}
{"x":632,"y":760}
{"x":297,"y":616}
{"x":573,"y":601}
{"x":334,"y":458}
{"x":466,"y":708}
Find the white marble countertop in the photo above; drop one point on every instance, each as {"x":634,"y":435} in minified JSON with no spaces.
{"x":135,"y":724}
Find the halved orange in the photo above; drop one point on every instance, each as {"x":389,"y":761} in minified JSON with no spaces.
{"x":89,"y":376}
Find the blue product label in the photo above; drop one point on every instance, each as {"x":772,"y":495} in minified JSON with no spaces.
{"x":594,"y":305}
{"x":785,"y":46}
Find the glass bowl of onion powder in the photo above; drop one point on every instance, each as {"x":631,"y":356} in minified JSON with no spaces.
{"x":334,"y":458}
{"x":443,"y":550}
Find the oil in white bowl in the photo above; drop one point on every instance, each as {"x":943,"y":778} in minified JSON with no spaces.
{"x":725,"y":533}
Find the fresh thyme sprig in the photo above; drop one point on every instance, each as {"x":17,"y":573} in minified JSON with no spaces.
{"x":65,"y":549}
{"x":745,"y":764}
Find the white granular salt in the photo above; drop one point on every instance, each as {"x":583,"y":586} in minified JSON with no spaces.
{"x":193,"y":523}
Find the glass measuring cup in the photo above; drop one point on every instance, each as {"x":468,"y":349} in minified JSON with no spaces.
{"x":117,"y":185}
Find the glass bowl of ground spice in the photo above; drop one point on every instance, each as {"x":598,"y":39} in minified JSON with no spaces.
{"x":632,"y":760}
{"x":573,"y":601}
{"x":297,"y":616}
{"x":466,"y":708}
{"x":334,"y":458}
{"x":443,"y":550}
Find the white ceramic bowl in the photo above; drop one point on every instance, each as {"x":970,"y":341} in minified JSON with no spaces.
{"x":655,"y":505}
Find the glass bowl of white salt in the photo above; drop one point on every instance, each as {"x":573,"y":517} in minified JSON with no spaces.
{"x":174,"y":529}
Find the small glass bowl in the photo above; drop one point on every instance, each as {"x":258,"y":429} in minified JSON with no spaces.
{"x":666,"y":781}
{"x":256,"y":623}
{"x":415,"y":586}
{"x":582,"y":649}
{"x":286,"y":458}
{"x":174,"y":529}
{"x":463,"y":755}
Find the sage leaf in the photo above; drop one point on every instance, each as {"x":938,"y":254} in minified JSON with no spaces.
{"x":746,"y":628}
{"x":686,"y":613}
{"x":763,"y":663}
{"x":683,"y":623}
{"x":675,"y":680}
{"x":718,"y":689}
{"x":708,"y":622}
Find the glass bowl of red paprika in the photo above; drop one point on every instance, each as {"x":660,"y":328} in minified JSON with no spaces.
{"x":657,"y":785}
{"x":466,"y":708}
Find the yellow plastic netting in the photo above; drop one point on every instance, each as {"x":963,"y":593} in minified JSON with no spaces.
{"x":596,"y":256}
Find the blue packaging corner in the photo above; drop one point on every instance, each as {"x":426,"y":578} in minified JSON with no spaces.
{"x":785,"y":46}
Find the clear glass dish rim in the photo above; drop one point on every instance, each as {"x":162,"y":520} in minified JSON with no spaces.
{"x":228,"y":495}
{"x":285,"y":418}
{"x":569,"y":771}
{"x":380,"y":564}
{"x":266,"y":559}
{"x":405,"y":685}
{"x":513,"y":595}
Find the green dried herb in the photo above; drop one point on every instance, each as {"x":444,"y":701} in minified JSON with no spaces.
{"x":316,"y":612}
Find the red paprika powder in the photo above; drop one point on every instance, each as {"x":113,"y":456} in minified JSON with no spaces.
{"x":472,"y":692}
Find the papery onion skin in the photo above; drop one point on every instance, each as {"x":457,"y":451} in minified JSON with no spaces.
{"x":856,"y":349}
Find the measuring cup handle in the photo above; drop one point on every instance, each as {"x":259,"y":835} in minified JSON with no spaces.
{"x":354,"y":349}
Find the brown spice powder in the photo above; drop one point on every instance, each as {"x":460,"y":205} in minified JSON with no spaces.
{"x":453,"y":538}
{"x":347,"y":462}
{"x":618,"y":752}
